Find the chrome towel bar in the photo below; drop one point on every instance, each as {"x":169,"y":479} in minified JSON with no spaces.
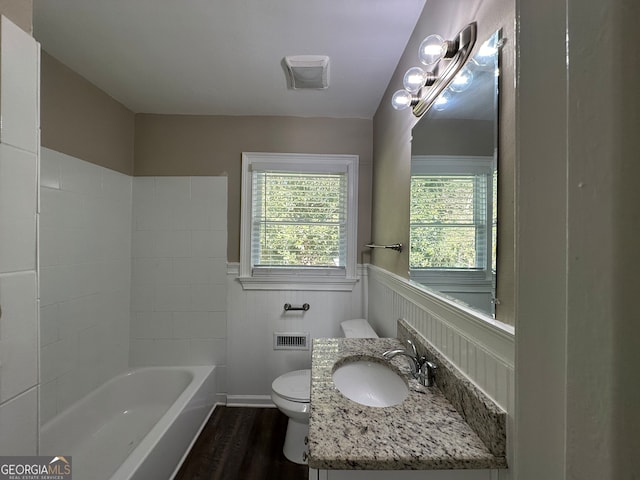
{"x":394,"y":246}
{"x":288,"y":307}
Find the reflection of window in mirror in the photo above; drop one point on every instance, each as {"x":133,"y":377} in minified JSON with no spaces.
{"x":452,"y":214}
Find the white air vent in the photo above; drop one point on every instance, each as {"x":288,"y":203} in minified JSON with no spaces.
{"x":291,"y":341}
{"x":307,"y":71}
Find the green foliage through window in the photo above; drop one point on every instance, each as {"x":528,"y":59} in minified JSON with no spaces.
{"x":299,"y":219}
{"x":448,"y":225}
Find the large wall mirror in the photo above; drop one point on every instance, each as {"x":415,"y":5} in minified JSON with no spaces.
{"x":454,"y":175}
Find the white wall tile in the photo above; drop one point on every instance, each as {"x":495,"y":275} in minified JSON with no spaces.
{"x":19,"y":424}
{"x":79,"y":176}
{"x":189,"y":271}
{"x":209,"y":243}
{"x":49,"y":324}
{"x":85,"y":277}
{"x":207,"y":351}
{"x":143,"y":244}
{"x":208,"y":298}
{"x":50,"y":170}
{"x":117,"y":187}
{"x":172,"y":298}
{"x":178,"y":289}
{"x":57,"y":358}
{"x":152,"y":325}
{"x":172,"y":191}
{"x":173,"y":243}
{"x":18,"y":180}
{"x":18,"y":334}
{"x":194,"y":325}
{"x":48,"y":401}
{"x":19,"y":86}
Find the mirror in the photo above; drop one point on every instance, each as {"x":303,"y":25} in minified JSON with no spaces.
{"x":453,"y":224}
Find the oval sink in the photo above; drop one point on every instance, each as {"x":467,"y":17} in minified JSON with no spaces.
{"x":370,"y":383}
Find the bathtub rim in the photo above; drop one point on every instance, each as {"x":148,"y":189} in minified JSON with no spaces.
{"x":138,"y":456}
{"x":200,"y":374}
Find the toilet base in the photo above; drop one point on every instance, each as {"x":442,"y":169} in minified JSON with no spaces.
{"x":294,"y":447}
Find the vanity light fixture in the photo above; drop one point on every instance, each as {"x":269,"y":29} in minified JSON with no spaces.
{"x":447,"y":57}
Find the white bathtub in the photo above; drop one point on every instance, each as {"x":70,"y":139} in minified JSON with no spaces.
{"x":138,"y":425}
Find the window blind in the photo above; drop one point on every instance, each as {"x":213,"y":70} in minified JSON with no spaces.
{"x":448,"y":224}
{"x":298,"y":219}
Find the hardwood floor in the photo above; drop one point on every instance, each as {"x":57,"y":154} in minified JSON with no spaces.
{"x":241,"y":443}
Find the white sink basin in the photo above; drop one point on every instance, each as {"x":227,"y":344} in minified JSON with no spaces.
{"x":370,"y":383}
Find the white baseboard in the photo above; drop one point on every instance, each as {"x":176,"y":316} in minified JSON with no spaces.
{"x":249,"y":401}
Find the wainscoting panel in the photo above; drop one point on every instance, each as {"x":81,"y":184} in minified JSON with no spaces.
{"x":255,"y":315}
{"x":481,"y":350}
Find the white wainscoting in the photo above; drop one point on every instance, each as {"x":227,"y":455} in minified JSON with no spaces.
{"x":253,"y":317}
{"x":482,"y":349}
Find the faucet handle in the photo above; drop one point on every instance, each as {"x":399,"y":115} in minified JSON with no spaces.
{"x":413,"y":348}
{"x":428,"y":373}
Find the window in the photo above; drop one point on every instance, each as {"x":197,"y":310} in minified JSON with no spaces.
{"x":298,"y":221}
{"x":452,"y":214}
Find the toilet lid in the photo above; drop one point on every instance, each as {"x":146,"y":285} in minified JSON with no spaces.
{"x":294,"y":386}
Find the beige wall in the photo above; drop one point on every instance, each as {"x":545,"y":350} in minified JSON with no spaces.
{"x":392,"y":148}
{"x":212,"y":145}
{"x":445,"y":136}
{"x":19,"y":12}
{"x":81,"y":120}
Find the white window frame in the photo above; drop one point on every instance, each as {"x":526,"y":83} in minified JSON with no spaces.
{"x":299,"y":278}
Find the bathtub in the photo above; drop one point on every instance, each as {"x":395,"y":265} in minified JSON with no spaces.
{"x":137,"y":426}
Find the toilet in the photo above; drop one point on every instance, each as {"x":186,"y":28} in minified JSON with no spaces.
{"x":291,"y":393}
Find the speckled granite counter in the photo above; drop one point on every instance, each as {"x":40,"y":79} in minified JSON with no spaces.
{"x":424,"y":432}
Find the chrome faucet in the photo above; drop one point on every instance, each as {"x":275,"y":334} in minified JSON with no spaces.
{"x":421,"y":369}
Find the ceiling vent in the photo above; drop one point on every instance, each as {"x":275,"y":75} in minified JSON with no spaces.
{"x":307,"y":71}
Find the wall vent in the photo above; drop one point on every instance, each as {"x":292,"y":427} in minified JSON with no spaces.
{"x":291,"y":341}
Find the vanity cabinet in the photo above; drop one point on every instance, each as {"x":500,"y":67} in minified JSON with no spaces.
{"x":403,"y":474}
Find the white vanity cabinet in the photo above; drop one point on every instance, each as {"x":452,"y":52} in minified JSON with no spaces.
{"x":403,"y":474}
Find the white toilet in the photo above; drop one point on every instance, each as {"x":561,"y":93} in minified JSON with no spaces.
{"x":291,"y":393}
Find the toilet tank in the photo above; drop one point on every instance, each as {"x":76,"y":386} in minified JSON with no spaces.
{"x":357,"y":328}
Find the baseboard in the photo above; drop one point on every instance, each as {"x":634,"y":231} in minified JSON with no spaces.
{"x":249,"y":401}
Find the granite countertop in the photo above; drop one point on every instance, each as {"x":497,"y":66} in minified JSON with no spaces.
{"x":424,"y":432}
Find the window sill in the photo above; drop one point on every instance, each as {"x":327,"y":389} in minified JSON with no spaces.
{"x":298,"y":282}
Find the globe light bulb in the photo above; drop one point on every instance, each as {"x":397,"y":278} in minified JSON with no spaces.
{"x":486,"y":55}
{"x":441,"y":102}
{"x":414,"y":79}
{"x":431,"y":49}
{"x":462,"y":80}
{"x":401,"y":100}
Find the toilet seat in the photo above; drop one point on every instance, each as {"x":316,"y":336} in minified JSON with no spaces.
{"x":294,"y":386}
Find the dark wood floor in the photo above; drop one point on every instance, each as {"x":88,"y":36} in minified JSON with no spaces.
{"x":241,"y":443}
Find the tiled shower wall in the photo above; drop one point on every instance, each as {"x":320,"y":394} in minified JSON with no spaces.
{"x":133,"y":273}
{"x":85,"y":276}
{"x":19,"y":130}
{"x":179,"y":271}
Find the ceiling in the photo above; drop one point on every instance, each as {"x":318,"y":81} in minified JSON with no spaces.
{"x":215,"y":57}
